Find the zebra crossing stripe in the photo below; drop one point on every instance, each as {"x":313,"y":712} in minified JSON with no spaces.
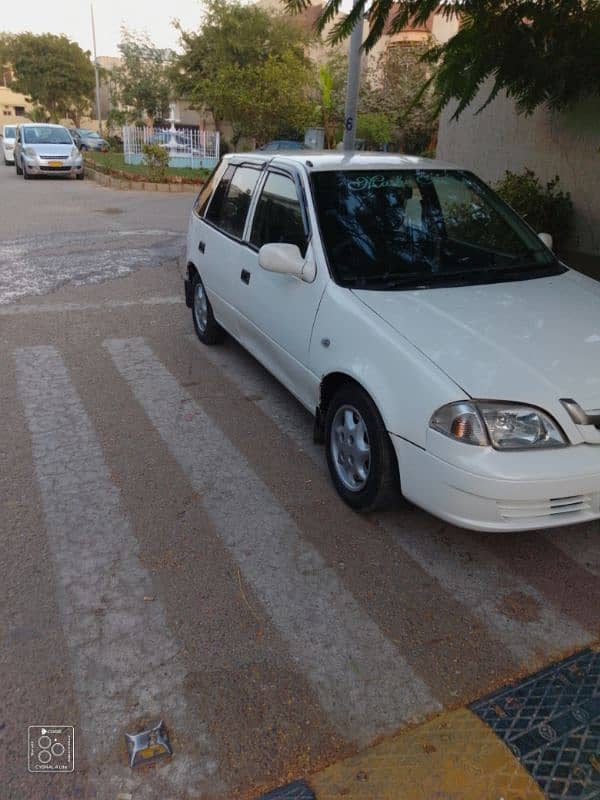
{"x":520,"y":616}
{"x":123,"y":655}
{"x":359,"y":676}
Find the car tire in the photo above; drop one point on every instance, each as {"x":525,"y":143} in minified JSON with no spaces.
{"x":80,"y":176}
{"x":82,"y":148}
{"x":26,"y":175}
{"x":207,"y":328}
{"x":18,"y":168}
{"x":360,"y":455}
{"x":7,"y":163}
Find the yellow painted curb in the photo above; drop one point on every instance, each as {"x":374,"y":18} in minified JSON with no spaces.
{"x":453,"y":757}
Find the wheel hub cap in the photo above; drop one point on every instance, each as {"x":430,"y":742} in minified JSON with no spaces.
{"x":350,"y":448}
{"x":200,"y":307}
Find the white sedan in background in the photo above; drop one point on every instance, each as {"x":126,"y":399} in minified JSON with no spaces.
{"x":9,"y":133}
{"x":443,"y":349}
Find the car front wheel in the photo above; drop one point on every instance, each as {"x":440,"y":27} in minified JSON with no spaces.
{"x":207,"y":328}
{"x":18,"y":168}
{"x":360,"y":454}
{"x":26,"y":174}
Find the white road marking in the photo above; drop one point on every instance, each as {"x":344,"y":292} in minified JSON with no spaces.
{"x":582,"y":545}
{"x":125,"y":661}
{"x":255,"y":383}
{"x":61,"y":308}
{"x":479,"y":580}
{"x":362,"y":681}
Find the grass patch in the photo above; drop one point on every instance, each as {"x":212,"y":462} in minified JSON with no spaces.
{"x":114,"y":164}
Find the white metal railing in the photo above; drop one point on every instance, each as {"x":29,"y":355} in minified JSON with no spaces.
{"x":186,"y":147}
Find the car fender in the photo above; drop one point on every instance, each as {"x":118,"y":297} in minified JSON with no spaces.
{"x":405,"y":385}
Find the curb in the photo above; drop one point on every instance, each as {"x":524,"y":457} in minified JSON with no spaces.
{"x":141,"y":186}
{"x":536,"y":739}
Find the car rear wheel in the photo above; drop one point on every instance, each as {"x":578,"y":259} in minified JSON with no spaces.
{"x":18,"y":168}
{"x":360,"y":455}
{"x":207,"y":328}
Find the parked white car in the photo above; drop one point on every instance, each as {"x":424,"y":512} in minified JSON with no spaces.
{"x":442,"y":347}
{"x":9,"y":133}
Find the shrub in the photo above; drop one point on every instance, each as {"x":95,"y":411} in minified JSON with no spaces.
{"x":546,"y":208}
{"x":156,"y":159}
{"x":375,"y":128}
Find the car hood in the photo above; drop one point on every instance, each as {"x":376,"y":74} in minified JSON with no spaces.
{"x":51,"y":149}
{"x":530,"y":341}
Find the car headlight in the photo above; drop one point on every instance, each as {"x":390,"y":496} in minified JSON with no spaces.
{"x":504,"y":426}
{"x":9,"y":146}
{"x":75,"y":152}
{"x":29,"y":152}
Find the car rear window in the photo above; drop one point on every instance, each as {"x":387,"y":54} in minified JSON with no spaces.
{"x":9,"y":133}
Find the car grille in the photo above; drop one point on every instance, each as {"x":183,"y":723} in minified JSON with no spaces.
{"x":538,"y":509}
{"x":55,"y":169}
{"x":54,"y":158}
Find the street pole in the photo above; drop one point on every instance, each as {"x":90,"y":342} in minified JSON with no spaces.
{"x":353,"y":85}
{"x":98,"y":114}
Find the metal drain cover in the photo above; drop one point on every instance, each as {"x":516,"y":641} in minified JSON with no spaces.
{"x":148,"y":746}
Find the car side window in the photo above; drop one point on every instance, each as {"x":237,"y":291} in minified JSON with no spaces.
{"x":233,"y":207}
{"x":218,"y":199}
{"x":278,"y":216}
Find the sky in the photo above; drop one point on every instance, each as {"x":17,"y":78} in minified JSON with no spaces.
{"x":72,"y":17}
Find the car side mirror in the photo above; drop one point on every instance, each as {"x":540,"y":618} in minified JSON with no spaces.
{"x":546,"y":238}
{"x":286,"y":259}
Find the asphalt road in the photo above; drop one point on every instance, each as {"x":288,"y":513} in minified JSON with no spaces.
{"x":170,"y":546}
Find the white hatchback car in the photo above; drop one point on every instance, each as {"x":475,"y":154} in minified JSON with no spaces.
{"x":9,"y":134}
{"x":439,"y":343}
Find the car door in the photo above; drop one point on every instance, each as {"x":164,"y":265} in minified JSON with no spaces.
{"x":277,"y":310}
{"x":216,"y":240}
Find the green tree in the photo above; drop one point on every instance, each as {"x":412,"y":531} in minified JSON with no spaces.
{"x":248,"y":67}
{"x":393,"y":86}
{"x":331,"y":95}
{"x":375,"y":127}
{"x":143,"y":84}
{"x":538,"y":51}
{"x":52,"y":71}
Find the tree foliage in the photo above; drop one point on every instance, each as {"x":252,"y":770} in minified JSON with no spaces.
{"x":331,"y":94}
{"x":538,"y":51}
{"x":143,"y":83}
{"x":52,"y":71}
{"x":392,"y":86}
{"x":248,"y":67}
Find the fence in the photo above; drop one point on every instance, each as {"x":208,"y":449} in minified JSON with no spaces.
{"x":186,"y":148}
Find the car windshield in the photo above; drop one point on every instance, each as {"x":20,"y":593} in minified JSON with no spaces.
{"x":9,"y":133}
{"x":88,"y":134}
{"x":422,"y":228}
{"x":42,"y":135}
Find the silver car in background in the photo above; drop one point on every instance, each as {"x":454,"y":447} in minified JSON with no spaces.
{"x":45,"y":149}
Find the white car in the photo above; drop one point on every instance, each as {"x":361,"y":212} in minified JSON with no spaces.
{"x":9,"y":133}
{"x":443,"y":349}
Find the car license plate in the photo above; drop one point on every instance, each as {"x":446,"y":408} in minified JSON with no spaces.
{"x":55,"y":163}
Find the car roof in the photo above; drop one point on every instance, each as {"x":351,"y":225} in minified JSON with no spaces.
{"x":330,"y":160}
{"x":40,"y":125}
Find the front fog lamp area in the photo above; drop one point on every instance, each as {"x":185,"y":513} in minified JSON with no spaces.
{"x":505,"y":426}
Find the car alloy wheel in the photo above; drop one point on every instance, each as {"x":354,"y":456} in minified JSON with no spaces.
{"x":350,"y":448}
{"x":200,"y":307}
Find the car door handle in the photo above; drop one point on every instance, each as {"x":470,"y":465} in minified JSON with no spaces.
{"x":245,"y":276}
{"x":201,"y":247}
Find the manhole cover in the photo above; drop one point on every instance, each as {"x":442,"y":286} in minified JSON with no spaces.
{"x":551,"y":722}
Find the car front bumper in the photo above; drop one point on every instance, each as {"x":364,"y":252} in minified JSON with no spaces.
{"x":40,"y":167}
{"x":501,"y":491}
